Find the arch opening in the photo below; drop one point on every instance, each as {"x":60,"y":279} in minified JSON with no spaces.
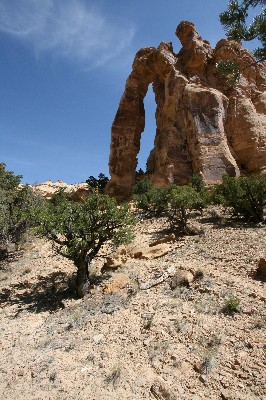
{"x":148,"y":135}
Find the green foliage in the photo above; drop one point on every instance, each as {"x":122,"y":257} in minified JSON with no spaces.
{"x":230,"y":70}
{"x":17,"y":214}
{"x":246,"y":195}
{"x":150,"y":199}
{"x":181,"y":200}
{"x":85,"y":227}
{"x":234,"y":20}
{"x":99,"y":183}
{"x":18,"y":208}
{"x":142,"y":187}
{"x":199,"y":185}
{"x":8,"y":180}
{"x":79,"y":230}
{"x":174,"y":201}
{"x":232,"y":306}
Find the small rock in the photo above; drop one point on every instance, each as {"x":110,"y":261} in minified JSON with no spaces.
{"x":86,"y":370}
{"x":160,"y":391}
{"x":98,"y":338}
{"x":68,"y":326}
{"x":21,"y":372}
{"x":113,"y":262}
{"x":165,"y":239}
{"x":145,"y":252}
{"x":181,"y":278}
{"x":225,"y":395}
{"x":117,"y":283}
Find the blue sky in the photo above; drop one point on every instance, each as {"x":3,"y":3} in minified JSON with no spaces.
{"x":63,"y":69}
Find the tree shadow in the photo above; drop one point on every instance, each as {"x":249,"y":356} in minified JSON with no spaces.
{"x":47,"y":294}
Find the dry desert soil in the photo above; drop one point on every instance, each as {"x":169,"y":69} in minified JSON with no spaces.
{"x":157,"y":327}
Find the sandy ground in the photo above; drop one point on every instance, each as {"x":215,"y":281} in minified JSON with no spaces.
{"x":126,"y":342}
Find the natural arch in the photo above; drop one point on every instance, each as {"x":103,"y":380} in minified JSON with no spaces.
{"x":192,"y":117}
{"x":150,"y":66}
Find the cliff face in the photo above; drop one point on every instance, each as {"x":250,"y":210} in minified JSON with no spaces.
{"x":203,"y":126}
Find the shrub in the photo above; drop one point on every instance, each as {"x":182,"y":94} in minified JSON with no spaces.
{"x":150,"y":199}
{"x":198,"y":184}
{"x":232,"y":306}
{"x":79,"y":230}
{"x":17,"y":214}
{"x":18,"y":208}
{"x":246,"y":195}
{"x":141,"y":187}
{"x":181,"y":200}
{"x":199,"y":275}
{"x":8,"y":181}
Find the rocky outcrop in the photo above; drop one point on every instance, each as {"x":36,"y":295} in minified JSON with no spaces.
{"x":76,"y":192}
{"x":204,"y":126}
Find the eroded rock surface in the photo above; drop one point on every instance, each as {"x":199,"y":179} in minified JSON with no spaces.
{"x":77,"y":192}
{"x":204,"y":126}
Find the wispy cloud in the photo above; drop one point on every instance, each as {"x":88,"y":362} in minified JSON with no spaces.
{"x":67,"y":29}
{"x":19,"y":161}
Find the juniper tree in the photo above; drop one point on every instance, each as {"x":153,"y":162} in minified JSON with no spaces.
{"x":18,"y":207}
{"x":79,"y":230}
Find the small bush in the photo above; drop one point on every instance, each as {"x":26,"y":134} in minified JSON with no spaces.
{"x":246,"y":195}
{"x":142,"y":187}
{"x":148,"y":320}
{"x":198,"y":184}
{"x":232,"y":306}
{"x":199,"y":275}
{"x":114,"y":376}
{"x":181,"y":200}
{"x":150,"y":199}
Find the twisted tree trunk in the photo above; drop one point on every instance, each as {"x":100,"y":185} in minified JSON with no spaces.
{"x":82,"y":280}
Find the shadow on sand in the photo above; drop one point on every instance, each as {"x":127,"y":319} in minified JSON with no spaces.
{"x":47,"y":294}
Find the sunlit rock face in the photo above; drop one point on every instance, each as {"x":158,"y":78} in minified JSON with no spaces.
{"x":204,"y":126}
{"x":77,"y":192}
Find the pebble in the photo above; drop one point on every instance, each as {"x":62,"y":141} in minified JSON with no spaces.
{"x":98,"y":338}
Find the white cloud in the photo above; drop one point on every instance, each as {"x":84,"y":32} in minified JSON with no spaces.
{"x":66,"y":28}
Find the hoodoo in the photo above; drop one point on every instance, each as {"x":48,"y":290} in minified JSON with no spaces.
{"x":204,"y":126}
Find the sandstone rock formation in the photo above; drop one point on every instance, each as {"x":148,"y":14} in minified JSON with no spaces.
{"x":77,"y":192}
{"x":204,"y":126}
{"x":142,"y":251}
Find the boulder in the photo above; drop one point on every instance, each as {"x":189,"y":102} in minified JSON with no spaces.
{"x":181,"y":278}
{"x":117,"y":283}
{"x":146,"y":252}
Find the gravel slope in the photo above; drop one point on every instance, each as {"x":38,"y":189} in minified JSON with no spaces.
{"x":124,"y":342}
